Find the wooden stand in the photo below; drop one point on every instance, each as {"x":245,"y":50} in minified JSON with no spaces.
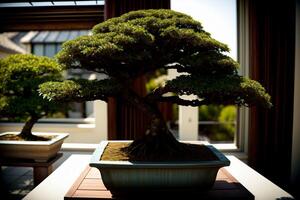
{"x":40,"y":169}
{"x":90,"y":186}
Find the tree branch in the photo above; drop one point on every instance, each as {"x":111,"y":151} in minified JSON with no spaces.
{"x":156,"y":94}
{"x":79,"y":90}
{"x":183,"y":102}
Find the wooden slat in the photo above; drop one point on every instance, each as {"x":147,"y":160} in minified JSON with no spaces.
{"x":50,"y":18}
{"x":76,"y":184}
{"x":92,"y":194}
{"x":94,"y":173}
{"x":89,"y":186}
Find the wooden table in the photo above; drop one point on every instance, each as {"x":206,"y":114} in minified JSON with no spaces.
{"x":41,"y":170}
{"x":89,"y":186}
{"x":56,"y":186}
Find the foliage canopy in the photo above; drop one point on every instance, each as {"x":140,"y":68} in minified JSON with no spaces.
{"x":20,"y":76}
{"x":143,"y":41}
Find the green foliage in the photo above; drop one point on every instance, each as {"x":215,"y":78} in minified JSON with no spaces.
{"x":228,"y":116}
{"x":142,"y":42}
{"x":209,"y":112}
{"x":78,"y":90}
{"x":20,"y":76}
{"x":137,"y":41}
{"x":228,"y":89}
{"x":155,"y":80}
{"x":225,"y":122}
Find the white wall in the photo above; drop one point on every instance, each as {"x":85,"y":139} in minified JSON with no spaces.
{"x":296,"y":124}
{"x":79,"y":133}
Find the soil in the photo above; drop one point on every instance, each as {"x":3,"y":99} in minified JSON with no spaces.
{"x":114,"y":151}
{"x":14,"y":137}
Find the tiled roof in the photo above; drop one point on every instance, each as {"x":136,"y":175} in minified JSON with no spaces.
{"x":52,"y":36}
{"x":9,"y":46}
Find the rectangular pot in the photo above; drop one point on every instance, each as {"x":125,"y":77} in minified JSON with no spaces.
{"x":40,"y":151}
{"x":125,"y":176}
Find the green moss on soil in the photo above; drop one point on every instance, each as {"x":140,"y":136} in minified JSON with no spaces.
{"x":115,"y":151}
{"x":14,"y":137}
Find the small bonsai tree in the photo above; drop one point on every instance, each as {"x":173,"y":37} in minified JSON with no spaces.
{"x":142,"y":42}
{"x":20,"y":76}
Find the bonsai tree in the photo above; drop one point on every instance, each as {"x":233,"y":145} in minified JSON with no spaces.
{"x":20,"y":76}
{"x":142,"y":42}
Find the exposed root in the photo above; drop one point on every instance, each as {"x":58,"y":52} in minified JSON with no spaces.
{"x":31,"y":137}
{"x":160,"y":147}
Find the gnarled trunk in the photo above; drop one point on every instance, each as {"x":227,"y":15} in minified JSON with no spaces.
{"x":26,"y":132}
{"x":27,"y":128}
{"x":158,"y":143}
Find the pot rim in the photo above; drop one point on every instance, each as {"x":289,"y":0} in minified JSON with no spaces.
{"x":60,"y":136}
{"x":96,"y":162}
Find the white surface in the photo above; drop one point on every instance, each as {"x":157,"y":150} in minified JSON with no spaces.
{"x":188,"y":123}
{"x":55,"y":186}
{"x":259,"y":186}
{"x":100,"y":111}
{"x":295,"y":178}
{"x":79,"y":133}
{"x":58,"y":183}
{"x":60,"y":136}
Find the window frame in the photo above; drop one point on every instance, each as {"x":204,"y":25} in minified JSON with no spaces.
{"x":239,"y":146}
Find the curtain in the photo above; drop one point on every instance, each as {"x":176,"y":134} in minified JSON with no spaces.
{"x":115,"y":8}
{"x":272,"y":55}
{"x":124,"y":120}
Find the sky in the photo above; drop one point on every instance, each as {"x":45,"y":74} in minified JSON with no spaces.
{"x":218,"y":17}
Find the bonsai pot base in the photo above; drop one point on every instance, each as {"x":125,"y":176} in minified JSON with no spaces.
{"x":40,"y":151}
{"x":122,"y":177}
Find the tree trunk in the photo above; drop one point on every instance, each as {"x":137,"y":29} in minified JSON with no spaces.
{"x":26,"y":133}
{"x":158,"y":143}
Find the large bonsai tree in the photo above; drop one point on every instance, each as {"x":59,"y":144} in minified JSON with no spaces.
{"x":142,"y":42}
{"x":20,"y":76}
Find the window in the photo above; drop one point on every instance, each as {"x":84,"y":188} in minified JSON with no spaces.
{"x":48,"y":43}
{"x":223,"y":14}
{"x":216,"y":124}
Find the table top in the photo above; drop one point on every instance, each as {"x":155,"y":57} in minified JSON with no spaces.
{"x":55,"y":186}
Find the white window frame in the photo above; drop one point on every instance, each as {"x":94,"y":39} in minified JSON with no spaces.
{"x":295,"y":165}
{"x":188,"y":116}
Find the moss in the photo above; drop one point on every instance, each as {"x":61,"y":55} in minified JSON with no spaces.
{"x":14,"y":137}
{"x":116,"y":151}
{"x":113,"y":152}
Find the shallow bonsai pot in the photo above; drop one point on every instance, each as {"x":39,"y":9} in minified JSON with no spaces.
{"x":123,"y":176}
{"x":40,"y":151}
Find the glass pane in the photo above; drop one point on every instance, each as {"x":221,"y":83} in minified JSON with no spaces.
{"x":218,"y":17}
{"x":38,"y":49}
{"x":217,"y":123}
{"x":50,"y":50}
